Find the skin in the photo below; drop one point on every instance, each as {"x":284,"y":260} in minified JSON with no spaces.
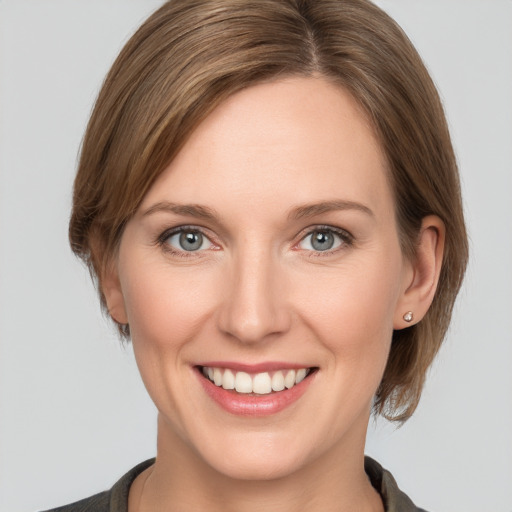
{"x":258,"y":291}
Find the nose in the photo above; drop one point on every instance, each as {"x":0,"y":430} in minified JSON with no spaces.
{"x":254,"y":304}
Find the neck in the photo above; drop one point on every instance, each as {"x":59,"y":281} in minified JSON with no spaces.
{"x":181,"y":480}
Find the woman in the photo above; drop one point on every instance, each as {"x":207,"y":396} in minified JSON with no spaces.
{"x":268,"y":198}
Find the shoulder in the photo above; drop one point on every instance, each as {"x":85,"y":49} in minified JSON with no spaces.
{"x":382,"y":480}
{"x":97,"y":503}
{"x":113,"y":500}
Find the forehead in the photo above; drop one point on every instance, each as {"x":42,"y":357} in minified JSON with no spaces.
{"x":294,"y":140}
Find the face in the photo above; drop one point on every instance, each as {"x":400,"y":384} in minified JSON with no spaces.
{"x":261,"y":278}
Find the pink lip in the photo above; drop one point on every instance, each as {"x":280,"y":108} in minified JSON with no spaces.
{"x":249,"y":404}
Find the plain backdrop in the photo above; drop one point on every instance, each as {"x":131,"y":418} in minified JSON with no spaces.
{"x":74,"y":415}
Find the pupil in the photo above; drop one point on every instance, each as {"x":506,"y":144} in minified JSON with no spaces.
{"x":322,"y":240}
{"x":191,"y":241}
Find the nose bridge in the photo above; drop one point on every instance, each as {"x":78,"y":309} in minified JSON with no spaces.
{"x":254,"y":305}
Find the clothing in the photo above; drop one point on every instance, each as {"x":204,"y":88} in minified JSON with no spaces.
{"x":116,"y":500}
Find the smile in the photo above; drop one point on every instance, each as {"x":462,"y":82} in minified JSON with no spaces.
{"x":262,"y":383}
{"x":255,"y":391}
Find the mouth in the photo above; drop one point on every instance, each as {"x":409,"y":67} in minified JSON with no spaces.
{"x":255,"y":391}
{"x":262,"y":383}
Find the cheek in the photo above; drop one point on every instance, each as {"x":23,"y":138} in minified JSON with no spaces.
{"x":353,"y":308}
{"x":166,"y":306}
{"x":166,"y":309}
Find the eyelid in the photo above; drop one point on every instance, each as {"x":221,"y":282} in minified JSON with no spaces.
{"x":161,"y":240}
{"x":347,"y":239}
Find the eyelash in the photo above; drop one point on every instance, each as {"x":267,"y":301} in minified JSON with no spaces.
{"x":346,"y":239}
{"x":162,"y":239}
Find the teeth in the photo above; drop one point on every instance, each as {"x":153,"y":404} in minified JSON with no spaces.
{"x":217,"y":377}
{"x":228,"y":380}
{"x":243,"y":382}
{"x":278,"y":381}
{"x":301,"y":374}
{"x":289,"y":380}
{"x":260,"y":383}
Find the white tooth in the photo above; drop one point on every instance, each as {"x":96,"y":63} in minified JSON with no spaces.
{"x":289,"y":380}
{"x":301,"y":374}
{"x":228,"y":380}
{"x":210,"y":372}
{"x":243,"y":382}
{"x":278,"y":381}
{"x":262,"y":384}
{"x":217,"y":377}
{"x":205,"y":371}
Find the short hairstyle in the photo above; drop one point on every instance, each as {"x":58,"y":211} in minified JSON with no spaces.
{"x":191,"y":55}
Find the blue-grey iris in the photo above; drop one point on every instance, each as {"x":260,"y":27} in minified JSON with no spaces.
{"x":322,"y":240}
{"x":191,"y":240}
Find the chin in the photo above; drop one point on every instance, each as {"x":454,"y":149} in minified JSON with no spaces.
{"x":255,"y":457}
{"x":257,"y":466}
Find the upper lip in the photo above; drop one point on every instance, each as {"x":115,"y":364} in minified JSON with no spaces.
{"x":254,"y":368}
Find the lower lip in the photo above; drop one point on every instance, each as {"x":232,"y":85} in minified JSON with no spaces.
{"x":254,"y":405}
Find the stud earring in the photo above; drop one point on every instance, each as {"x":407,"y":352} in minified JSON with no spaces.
{"x":408,"y":316}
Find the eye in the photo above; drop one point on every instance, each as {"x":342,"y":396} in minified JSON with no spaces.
{"x":188,"y":240}
{"x":324,"y":239}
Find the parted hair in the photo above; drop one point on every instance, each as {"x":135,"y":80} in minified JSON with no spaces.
{"x":191,"y":55}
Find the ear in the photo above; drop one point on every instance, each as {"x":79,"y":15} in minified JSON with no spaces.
{"x":108,"y":279}
{"x":113,"y":293}
{"x":423,"y":276}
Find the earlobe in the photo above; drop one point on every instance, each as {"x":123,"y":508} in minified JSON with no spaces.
{"x":421,"y":284}
{"x":113,"y":293}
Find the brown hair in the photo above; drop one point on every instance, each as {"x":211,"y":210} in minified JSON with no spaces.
{"x":190,"y":55}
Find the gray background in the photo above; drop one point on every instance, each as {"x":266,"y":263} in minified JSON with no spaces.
{"x":73,"y":413}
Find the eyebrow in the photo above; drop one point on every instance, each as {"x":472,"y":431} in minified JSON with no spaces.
{"x":310,"y":210}
{"x":189,"y":210}
{"x":299,"y":212}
